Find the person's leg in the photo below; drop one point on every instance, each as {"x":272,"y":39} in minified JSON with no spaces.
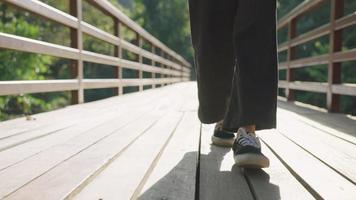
{"x":253,"y":101}
{"x":212,"y":24}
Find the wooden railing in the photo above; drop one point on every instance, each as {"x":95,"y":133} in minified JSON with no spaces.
{"x":334,"y":87}
{"x":172,"y":67}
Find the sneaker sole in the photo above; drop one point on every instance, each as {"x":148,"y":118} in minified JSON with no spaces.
{"x":251,"y":160}
{"x":222,"y":142}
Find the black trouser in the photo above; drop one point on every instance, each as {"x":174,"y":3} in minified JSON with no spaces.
{"x":236,"y":61}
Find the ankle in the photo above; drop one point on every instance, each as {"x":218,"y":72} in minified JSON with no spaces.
{"x":250,"y":129}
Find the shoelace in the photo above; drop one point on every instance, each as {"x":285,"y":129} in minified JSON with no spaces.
{"x":247,"y":139}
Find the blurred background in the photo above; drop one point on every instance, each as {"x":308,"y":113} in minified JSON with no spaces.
{"x":167,"y":20}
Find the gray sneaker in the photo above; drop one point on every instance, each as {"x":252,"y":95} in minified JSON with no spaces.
{"x":247,"y":151}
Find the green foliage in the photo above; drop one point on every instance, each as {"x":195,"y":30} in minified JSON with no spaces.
{"x":16,"y":65}
{"x":168,"y":21}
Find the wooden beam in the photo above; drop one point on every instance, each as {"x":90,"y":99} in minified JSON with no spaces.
{"x":290,"y":57}
{"x":344,"y":89}
{"x":308,"y":86}
{"x":153,"y":63}
{"x":302,"y":8}
{"x":26,"y":87}
{"x":46,"y":11}
{"x":140,"y":59}
{"x":334,"y":68}
{"x":75,"y":8}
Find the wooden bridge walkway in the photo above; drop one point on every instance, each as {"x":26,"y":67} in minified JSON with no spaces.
{"x":151,"y":145}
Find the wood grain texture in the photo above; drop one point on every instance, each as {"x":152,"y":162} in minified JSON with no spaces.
{"x":89,"y":120}
{"x":35,"y":166}
{"x":174,"y":176}
{"x":321,"y":180}
{"x":336,"y":153}
{"x":275,"y":182}
{"x":219,"y":178}
{"x":121,"y":178}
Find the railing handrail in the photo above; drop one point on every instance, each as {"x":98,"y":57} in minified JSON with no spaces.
{"x":334,"y":87}
{"x":175,"y":67}
{"x":107,"y":6}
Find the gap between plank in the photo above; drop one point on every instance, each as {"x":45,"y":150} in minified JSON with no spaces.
{"x":110,"y":133}
{"x":197,"y":171}
{"x":306,"y":150}
{"x":313,"y":192}
{"x":102,"y":168}
{"x":154,"y":162}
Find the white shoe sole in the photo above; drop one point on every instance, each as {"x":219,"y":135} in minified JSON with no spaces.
{"x":222,"y":142}
{"x":251,"y":160}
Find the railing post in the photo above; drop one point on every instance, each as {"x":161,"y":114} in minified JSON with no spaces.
{"x":153,"y":50}
{"x":118,"y":53}
{"x":181,"y":71}
{"x":140,"y":59}
{"x":334,"y":69}
{"x":163,"y":66}
{"x":291,"y":54}
{"x":75,"y":7}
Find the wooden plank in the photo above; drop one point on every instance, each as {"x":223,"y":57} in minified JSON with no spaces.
{"x":322,"y":183}
{"x":275,"y":182}
{"x":35,"y":166}
{"x":338,"y":154}
{"x":139,"y":156}
{"x":8,"y":41}
{"x":19,"y":139}
{"x":311,"y":35}
{"x":310,"y":61}
{"x":174,"y":176}
{"x":338,"y":125}
{"x":21,"y":125}
{"x":25,"y":87}
{"x":51,"y":128}
{"x":133,"y":163}
{"x":67,"y":176}
{"x":344,"y":56}
{"x":345,"y":21}
{"x":46,"y":11}
{"x":111,"y":83}
{"x":344,"y":89}
{"x":307,"y":86}
{"x":219,"y":177}
{"x":90,"y":121}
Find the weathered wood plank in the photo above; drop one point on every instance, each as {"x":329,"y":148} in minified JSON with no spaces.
{"x":174,"y":176}
{"x":339,"y":125}
{"x":20,"y":125}
{"x":319,"y":179}
{"x":337,"y":153}
{"x":219,"y":177}
{"x":88,"y":122}
{"x":53,"y":127}
{"x":275,"y":182}
{"x":46,"y":160}
{"x":132,"y":164}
